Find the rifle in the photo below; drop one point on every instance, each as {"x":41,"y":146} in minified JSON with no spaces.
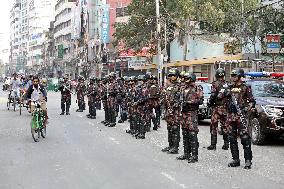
{"x":240,"y":113}
{"x":67,"y":89}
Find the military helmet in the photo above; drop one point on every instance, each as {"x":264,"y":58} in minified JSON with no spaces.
{"x":190,"y":76}
{"x":93,"y":79}
{"x":148,"y":75}
{"x":238,"y":72}
{"x":220,"y":72}
{"x":81,"y":78}
{"x":173,"y":72}
{"x":141,"y":77}
{"x":182,"y":73}
{"x":126,"y":78}
{"x":133,"y":78}
{"x":154,"y":77}
{"x":112,"y":75}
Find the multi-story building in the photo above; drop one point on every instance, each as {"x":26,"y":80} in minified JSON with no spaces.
{"x":40,"y":14}
{"x":15,"y":33}
{"x":62,"y":26}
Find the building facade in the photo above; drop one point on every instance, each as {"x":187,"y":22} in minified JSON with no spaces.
{"x":40,"y":14}
{"x":15,"y":34}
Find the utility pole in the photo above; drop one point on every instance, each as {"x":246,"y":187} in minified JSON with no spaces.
{"x":159,"y":61}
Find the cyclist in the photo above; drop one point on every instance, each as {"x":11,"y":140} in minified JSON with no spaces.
{"x":37,"y":93}
{"x":15,"y":86}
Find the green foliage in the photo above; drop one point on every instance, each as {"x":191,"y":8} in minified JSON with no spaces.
{"x":183,"y":17}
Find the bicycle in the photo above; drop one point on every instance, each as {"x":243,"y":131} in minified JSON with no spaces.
{"x":22,"y":100}
{"x":12,"y":98}
{"x":37,"y":123}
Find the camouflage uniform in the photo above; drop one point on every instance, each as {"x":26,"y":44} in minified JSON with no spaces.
{"x":65,"y":89}
{"x":219,"y":113}
{"x":92,"y":94}
{"x":111,"y":103}
{"x":132,"y":108}
{"x":81,"y":89}
{"x":154,"y":103}
{"x":143,"y":117}
{"x":191,"y":97}
{"x":98,"y":97}
{"x":123,"y":103}
{"x":172,"y":116}
{"x":104,"y":97}
{"x":244,"y":98}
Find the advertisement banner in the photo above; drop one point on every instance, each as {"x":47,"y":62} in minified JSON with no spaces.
{"x":105,"y":23}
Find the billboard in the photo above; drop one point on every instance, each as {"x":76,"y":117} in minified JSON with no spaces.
{"x":105,"y":23}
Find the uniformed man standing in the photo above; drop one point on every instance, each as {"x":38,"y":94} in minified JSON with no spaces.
{"x":92,"y":93}
{"x":141,"y":100}
{"x":218,"y":103}
{"x":80,"y":90}
{"x":192,"y":97}
{"x":111,"y":100}
{"x":65,"y":89}
{"x":154,"y":101}
{"x":240,"y":102}
{"x":172,"y":108}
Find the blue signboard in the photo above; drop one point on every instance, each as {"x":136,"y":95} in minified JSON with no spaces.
{"x":105,"y":24}
{"x":273,"y":45}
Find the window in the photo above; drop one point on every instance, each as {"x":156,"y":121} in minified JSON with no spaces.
{"x":121,"y":11}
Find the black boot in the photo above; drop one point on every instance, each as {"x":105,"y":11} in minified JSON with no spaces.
{"x":226,"y":142}
{"x":213,"y":142}
{"x":235,"y":154}
{"x":248,"y":164}
{"x":186,"y":147}
{"x":175,"y":139}
{"x":170,"y":141}
{"x":194,"y":147}
{"x":62,"y":113}
{"x":246,"y":142}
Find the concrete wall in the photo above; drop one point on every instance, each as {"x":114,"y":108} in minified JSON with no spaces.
{"x":196,"y":49}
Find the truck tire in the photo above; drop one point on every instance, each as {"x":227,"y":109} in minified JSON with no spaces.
{"x":258,"y":136}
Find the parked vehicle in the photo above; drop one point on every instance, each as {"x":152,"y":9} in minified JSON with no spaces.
{"x":268,"y":119}
{"x":204,"y":110}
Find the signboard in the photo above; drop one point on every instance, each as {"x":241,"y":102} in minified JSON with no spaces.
{"x":136,"y":64}
{"x":60,"y":51}
{"x":273,"y":43}
{"x":105,"y":24}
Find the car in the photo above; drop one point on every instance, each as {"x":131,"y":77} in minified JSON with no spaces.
{"x":268,"y":118}
{"x":204,"y":111}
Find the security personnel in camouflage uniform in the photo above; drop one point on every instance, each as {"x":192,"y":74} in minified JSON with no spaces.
{"x":123,"y":104}
{"x":131,"y":107}
{"x":65,"y":89}
{"x":98,"y":97}
{"x":111,"y":100}
{"x":142,"y":102}
{"x":104,"y":96}
{"x":172,"y":108}
{"x":244,"y":102}
{"x":81,"y":90}
{"x":191,"y":97}
{"x":154,"y":101}
{"x":218,"y":103}
{"x":92,"y":94}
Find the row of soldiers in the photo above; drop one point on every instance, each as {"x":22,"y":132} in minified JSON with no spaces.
{"x":140,"y":99}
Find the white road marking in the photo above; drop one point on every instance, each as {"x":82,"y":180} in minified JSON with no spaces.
{"x":114,"y":140}
{"x":171,"y":178}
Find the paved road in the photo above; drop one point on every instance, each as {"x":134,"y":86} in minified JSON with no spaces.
{"x":82,"y":153}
